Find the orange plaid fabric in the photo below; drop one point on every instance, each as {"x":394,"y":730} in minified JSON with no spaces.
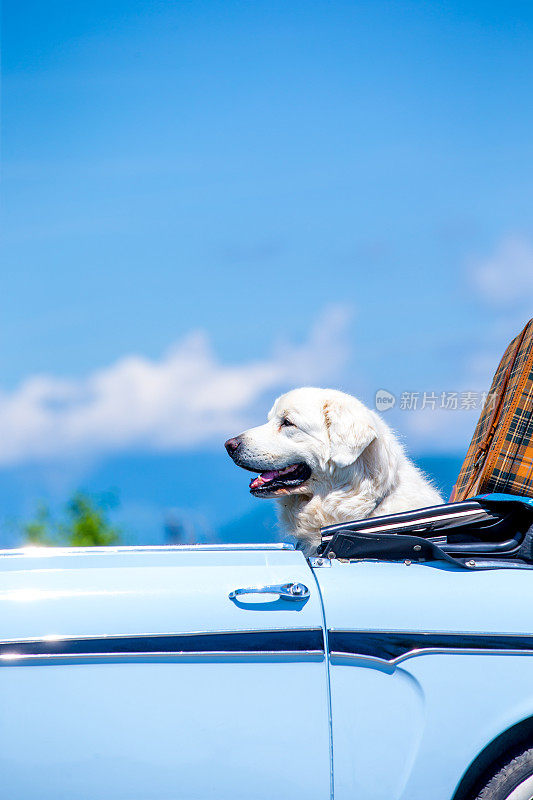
{"x":500,"y":456}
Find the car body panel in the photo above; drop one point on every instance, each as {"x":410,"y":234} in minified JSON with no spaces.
{"x":148,"y":724}
{"x":135,"y":591}
{"x":130,"y":673}
{"x":420,"y":719}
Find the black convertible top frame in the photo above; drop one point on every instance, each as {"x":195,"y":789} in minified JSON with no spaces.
{"x":483,"y":533}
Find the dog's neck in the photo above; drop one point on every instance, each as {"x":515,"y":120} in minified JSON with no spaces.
{"x":304,"y":516}
{"x":352,"y":493}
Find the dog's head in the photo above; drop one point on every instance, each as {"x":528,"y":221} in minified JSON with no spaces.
{"x":312,"y":439}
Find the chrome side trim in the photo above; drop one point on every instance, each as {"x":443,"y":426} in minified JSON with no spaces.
{"x":13,"y":658}
{"x":49,"y":552}
{"x":434,"y":632}
{"x":52,"y":637}
{"x":393,"y":647}
{"x":283,"y":641}
{"x":428,"y":651}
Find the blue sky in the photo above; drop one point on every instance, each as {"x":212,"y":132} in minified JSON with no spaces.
{"x":212,"y":178}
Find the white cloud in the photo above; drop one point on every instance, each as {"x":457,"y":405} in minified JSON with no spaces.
{"x":186,"y":398}
{"x":504,"y":283}
{"x":506,"y":278}
{"x":440,"y":430}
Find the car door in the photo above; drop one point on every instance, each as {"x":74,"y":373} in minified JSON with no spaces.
{"x":429,"y":664}
{"x":132,"y":674}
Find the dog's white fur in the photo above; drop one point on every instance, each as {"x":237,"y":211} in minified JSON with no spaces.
{"x":359,"y":468}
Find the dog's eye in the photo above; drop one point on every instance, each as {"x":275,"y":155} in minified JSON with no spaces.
{"x":286,"y":423}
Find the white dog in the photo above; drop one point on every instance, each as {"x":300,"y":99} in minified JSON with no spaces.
{"x":327,"y":458}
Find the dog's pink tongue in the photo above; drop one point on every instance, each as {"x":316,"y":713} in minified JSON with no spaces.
{"x":269,"y":476}
{"x":265,"y":477}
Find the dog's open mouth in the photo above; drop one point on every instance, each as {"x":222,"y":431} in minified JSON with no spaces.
{"x":280,"y":479}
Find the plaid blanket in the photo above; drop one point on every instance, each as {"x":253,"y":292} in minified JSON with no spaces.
{"x":500,"y":456}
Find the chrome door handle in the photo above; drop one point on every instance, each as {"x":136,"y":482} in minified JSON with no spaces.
{"x":286,"y":591}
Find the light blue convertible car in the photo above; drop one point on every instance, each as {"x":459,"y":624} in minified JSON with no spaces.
{"x":400,"y":666}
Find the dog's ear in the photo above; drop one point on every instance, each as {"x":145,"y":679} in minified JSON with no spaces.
{"x":350,"y":431}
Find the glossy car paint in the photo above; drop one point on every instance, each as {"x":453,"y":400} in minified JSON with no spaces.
{"x":159,"y":726}
{"x":409,"y":730}
{"x":235,"y":725}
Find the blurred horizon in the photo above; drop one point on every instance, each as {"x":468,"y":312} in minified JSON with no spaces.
{"x":207,"y":203}
{"x":162,"y":498}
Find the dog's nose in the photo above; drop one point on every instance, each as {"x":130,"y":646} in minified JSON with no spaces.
{"x":232,"y":445}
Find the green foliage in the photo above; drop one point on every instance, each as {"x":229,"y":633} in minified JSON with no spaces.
{"x":40,"y":529}
{"x":85,"y":524}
